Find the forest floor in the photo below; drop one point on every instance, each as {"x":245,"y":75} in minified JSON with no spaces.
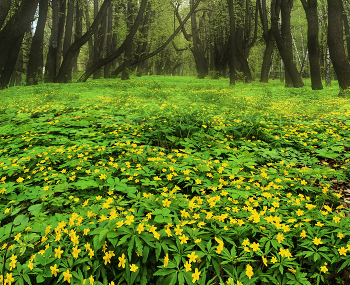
{"x":174,"y":180}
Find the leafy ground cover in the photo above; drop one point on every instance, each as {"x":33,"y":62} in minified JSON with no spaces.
{"x":169,"y":180}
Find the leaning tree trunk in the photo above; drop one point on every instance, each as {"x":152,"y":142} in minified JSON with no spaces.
{"x":15,"y":28}
{"x":284,"y":39}
{"x":336,"y":43}
{"x":4,"y":9}
{"x":35,"y":61}
{"x":310,"y":8}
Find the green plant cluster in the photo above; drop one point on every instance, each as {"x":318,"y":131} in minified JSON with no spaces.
{"x":178,"y":182}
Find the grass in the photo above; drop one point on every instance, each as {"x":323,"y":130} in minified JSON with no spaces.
{"x":173,"y":180}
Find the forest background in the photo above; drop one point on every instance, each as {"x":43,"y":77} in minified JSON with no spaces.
{"x":62,"y":40}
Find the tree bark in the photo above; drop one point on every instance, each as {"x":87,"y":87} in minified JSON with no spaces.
{"x":328,"y":72}
{"x":129,"y":49}
{"x":79,"y":42}
{"x":10,"y":63}
{"x":49,"y":66}
{"x":109,"y":41}
{"x":199,"y":57}
{"x":35,"y":61}
{"x":313,"y":46}
{"x":232,"y":42}
{"x":15,"y":28}
{"x":4,"y":9}
{"x":78,"y":33}
{"x":336,"y":43}
{"x":60,"y":30}
{"x":68,"y":34}
{"x":346,"y":31}
{"x":96,"y":41}
{"x":269,"y":42}
{"x":284,"y":39}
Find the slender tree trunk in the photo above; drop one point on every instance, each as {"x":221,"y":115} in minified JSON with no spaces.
{"x":310,"y":8}
{"x":49,"y":66}
{"x":97,"y":73}
{"x":78,"y":34}
{"x":336,"y":43}
{"x":328,"y":71}
{"x":281,"y":70}
{"x":68,"y":35}
{"x":284,"y":39}
{"x":60,"y":31}
{"x":109,"y":41}
{"x":232,"y":43}
{"x":128,"y":51}
{"x":35,"y":61}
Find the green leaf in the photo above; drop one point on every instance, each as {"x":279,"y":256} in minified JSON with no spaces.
{"x":145,"y":253}
{"x":21,"y":219}
{"x":139,"y":246}
{"x":27,"y":279}
{"x":164,"y":272}
{"x":181,"y":278}
{"x":131,"y":246}
{"x":35,"y":209}
{"x":40,"y":278}
{"x":158,"y":250}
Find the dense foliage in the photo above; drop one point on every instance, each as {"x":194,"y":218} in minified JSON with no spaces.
{"x":167,"y":180}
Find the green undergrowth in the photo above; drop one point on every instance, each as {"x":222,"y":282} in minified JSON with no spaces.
{"x":170,"y":180}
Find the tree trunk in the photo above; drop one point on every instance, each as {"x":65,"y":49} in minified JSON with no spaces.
{"x":109,"y":41}
{"x":336,"y":43}
{"x":284,"y":39}
{"x":232,"y":43}
{"x":269,"y":42}
{"x":199,"y":57}
{"x":96,"y":41}
{"x":4,"y":9}
{"x":10,"y":63}
{"x":79,"y":42}
{"x":310,"y":8}
{"x":15,"y":28}
{"x":78,"y":33}
{"x":35,"y":61}
{"x":16,"y":77}
{"x":328,"y":72}
{"x":347,"y":32}
{"x":128,"y":52}
{"x":60,"y":31}
{"x":68,"y":35}
{"x":49,"y":66}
